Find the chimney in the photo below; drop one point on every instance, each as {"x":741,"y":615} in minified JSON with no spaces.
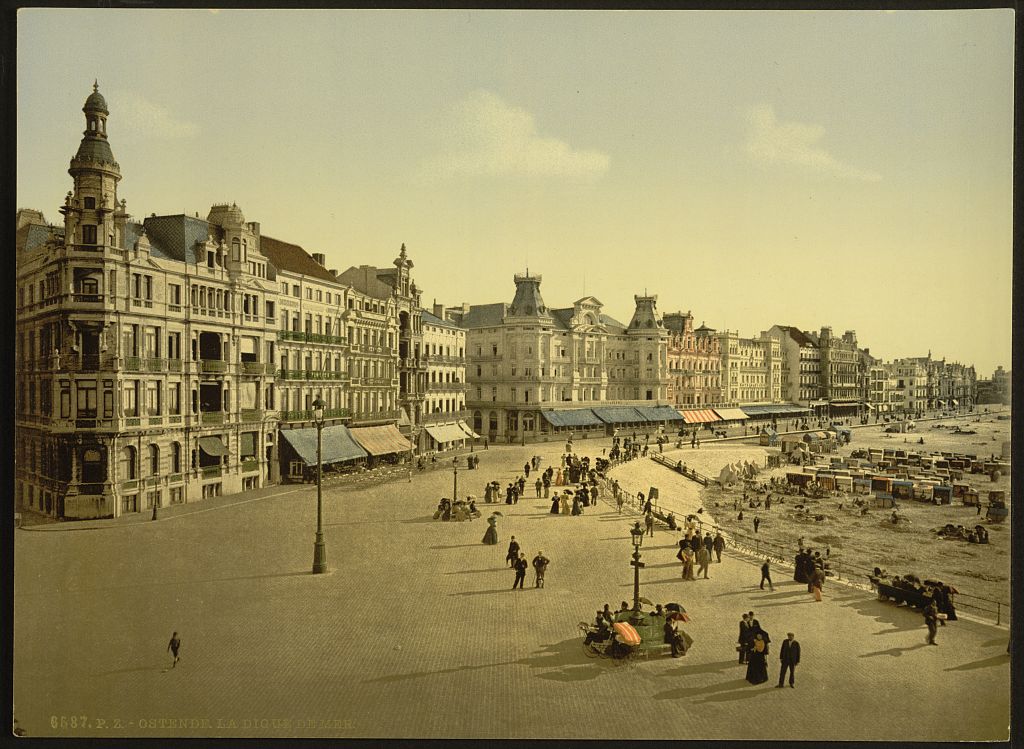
{"x":333,"y":272}
{"x":319,"y":258}
{"x":438,"y":310}
{"x":254,"y":227}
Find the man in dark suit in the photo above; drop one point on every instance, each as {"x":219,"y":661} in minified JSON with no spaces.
{"x":521,"y":565}
{"x":789,"y":656}
{"x":745,"y":637}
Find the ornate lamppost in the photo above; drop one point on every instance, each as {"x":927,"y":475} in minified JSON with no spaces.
{"x":455,"y":479}
{"x":319,"y":548}
{"x":638,"y":539}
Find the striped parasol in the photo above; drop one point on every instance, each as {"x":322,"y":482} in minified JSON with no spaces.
{"x":627,"y":634}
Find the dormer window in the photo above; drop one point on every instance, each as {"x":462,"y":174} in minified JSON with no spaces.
{"x":90,"y":203}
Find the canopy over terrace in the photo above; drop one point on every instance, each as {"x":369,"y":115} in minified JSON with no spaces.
{"x":337,"y":445}
{"x":446,"y":432}
{"x":659,"y":413}
{"x":572,"y":417}
{"x":381,"y":440}
{"x":700,"y":416}
{"x":465,"y":428}
{"x":775,"y":409}
{"x":731,"y":414}
{"x":619,"y":415}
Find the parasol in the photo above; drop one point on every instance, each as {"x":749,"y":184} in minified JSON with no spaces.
{"x":496,"y":513}
{"x":627,"y":634}
{"x":644,"y":600}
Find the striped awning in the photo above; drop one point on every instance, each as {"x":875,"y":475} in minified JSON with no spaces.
{"x":731,"y":414}
{"x":445,"y":432}
{"x":700,"y":416}
{"x":466,"y":428}
{"x":382,"y":440}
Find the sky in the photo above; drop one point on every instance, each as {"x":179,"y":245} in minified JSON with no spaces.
{"x":806,"y":168}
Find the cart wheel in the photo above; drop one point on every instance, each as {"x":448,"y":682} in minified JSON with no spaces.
{"x":590,"y":651}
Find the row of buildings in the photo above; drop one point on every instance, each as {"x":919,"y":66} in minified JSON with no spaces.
{"x":173,"y":358}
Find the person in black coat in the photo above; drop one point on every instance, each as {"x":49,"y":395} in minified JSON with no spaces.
{"x":521,"y":565}
{"x":789,"y":656}
{"x":513,"y":552}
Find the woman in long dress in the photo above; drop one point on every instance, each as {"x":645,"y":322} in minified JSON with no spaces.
{"x":757,"y":663}
{"x":564,"y":500}
{"x":576,"y":509}
{"x":554,"y":504}
{"x":559,"y":479}
{"x":491,"y":535}
{"x":688,"y":564}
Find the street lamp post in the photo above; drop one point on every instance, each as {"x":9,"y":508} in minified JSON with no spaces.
{"x":455,"y":479}
{"x":638,"y":539}
{"x":319,"y":548}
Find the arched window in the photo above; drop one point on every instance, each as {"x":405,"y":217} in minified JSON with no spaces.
{"x":154,"y":460}
{"x":175,"y":457}
{"x":129,"y":465}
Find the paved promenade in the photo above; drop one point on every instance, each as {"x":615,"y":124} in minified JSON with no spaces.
{"x":416,"y":633}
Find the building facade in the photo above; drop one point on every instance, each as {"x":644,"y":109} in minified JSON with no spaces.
{"x":694,"y":363}
{"x":524,"y":359}
{"x":842,"y":370}
{"x":751,"y":368}
{"x":445,"y":416}
{"x":801,"y":367}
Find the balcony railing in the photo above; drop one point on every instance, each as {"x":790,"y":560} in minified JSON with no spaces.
{"x":132,"y":363}
{"x":376,"y":415}
{"x":87,"y":298}
{"x":212,"y":417}
{"x":302,"y":336}
{"x":212,"y":365}
{"x":174,"y":365}
{"x":307,"y":415}
{"x":250,"y":415}
{"x":258,"y":368}
{"x":156,"y":365}
{"x":250,"y":464}
{"x":211,"y":472}
{"x":312,"y":374}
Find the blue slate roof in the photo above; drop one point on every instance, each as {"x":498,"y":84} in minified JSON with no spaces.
{"x":573,"y":417}
{"x":337,"y":444}
{"x":175,"y":237}
{"x":618,"y":414}
{"x":484,"y":315}
{"x":430,"y":318}
{"x":31,"y":236}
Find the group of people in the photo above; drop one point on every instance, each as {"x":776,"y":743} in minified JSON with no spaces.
{"x":516,"y":559}
{"x":459,"y":510}
{"x":695,"y":550}
{"x":753,"y":647}
{"x":810,"y":568}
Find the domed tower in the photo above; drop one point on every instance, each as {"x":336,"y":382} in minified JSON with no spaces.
{"x":650,"y":340}
{"x":89,"y":219}
{"x":528,"y":302}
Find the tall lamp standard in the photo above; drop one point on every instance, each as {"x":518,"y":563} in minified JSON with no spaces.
{"x":455,"y":479}
{"x":638,"y":539}
{"x":319,"y":548}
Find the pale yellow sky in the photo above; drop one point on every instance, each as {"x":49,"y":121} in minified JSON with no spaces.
{"x":851,"y":169}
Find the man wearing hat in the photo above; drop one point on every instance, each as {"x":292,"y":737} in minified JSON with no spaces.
{"x":789,"y":656}
{"x":540,"y":566}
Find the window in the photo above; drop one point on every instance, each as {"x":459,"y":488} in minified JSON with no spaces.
{"x":88,"y":234}
{"x":174,"y":398}
{"x":128,"y":463}
{"x":153,"y":398}
{"x":90,"y":203}
{"x":210,"y":259}
{"x":130,"y":398}
{"x":174,"y":294}
{"x":147,"y":287}
{"x":247,"y":445}
{"x":173,"y":345}
{"x":175,"y":457}
{"x":154,"y":460}
{"x":86,"y":407}
{"x":65,"y":402}
{"x":151,"y":341}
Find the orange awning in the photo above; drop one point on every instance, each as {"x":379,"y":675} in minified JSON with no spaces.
{"x":381,"y":440}
{"x":699,"y":416}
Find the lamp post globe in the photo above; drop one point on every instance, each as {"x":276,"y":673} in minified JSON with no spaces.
{"x":319,"y":547}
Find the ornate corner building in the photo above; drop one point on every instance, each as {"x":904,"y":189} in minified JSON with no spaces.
{"x":161,"y":361}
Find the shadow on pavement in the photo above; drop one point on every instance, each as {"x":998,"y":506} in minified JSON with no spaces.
{"x":424,"y":519}
{"x":460,"y":546}
{"x":472,"y":572}
{"x":995,"y":660}
{"x":496,"y":590}
{"x":704,"y":668}
{"x":895,"y":652}
{"x":901,"y":619}
{"x":685,"y":692}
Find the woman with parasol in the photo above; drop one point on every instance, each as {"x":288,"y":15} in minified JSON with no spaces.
{"x":491,"y":535}
{"x":757,"y":663}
